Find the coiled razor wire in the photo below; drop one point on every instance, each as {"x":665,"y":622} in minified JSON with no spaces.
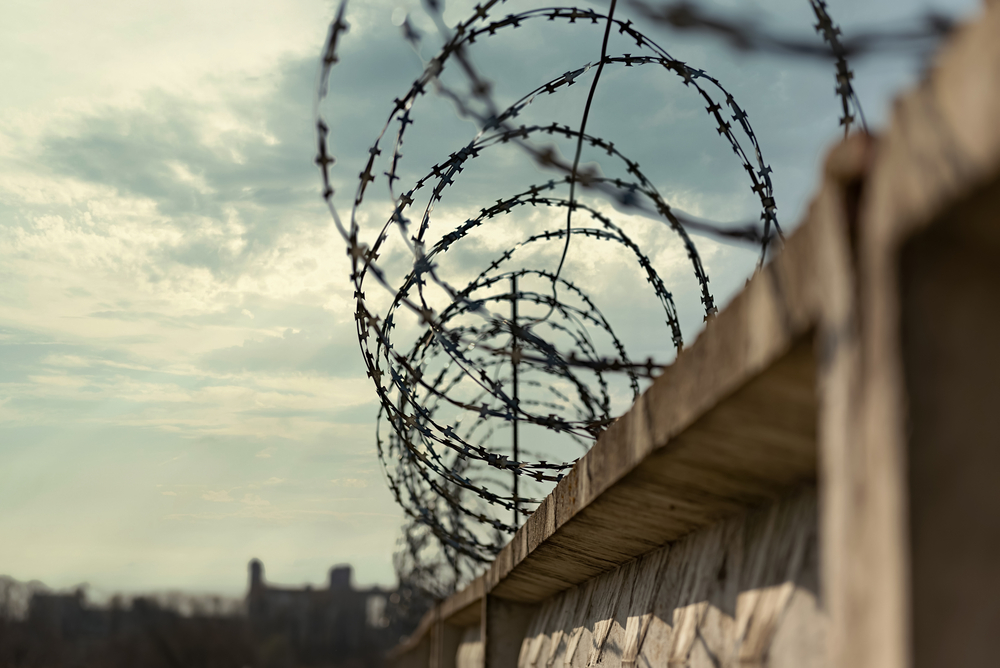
{"x":520,"y":346}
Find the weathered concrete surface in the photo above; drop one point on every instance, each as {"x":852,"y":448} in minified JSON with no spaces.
{"x":950,"y":319}
{"x":941,"y":147}
{"x":716,"y":598}
{"x":742,"y":592}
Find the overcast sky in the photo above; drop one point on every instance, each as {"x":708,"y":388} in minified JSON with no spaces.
{"x":180,"y":385}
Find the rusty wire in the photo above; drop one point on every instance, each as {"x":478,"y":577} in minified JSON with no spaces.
{"x":447,"y":395}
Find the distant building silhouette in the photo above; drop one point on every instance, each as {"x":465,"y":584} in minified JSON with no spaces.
{"x":62,"y":629}
{"x":336,"y":625}
{"x":66,"y":616}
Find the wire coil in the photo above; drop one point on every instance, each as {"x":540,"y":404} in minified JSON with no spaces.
{"x":517,"y":346}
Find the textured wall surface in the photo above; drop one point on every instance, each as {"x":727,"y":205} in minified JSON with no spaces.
{"x":743,"y":592}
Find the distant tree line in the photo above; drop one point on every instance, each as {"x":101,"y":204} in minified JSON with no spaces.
{"x":44,"y":629}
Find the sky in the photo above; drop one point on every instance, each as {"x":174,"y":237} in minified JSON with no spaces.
{"x":180,"y":383}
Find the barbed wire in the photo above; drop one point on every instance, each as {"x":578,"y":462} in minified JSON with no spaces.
{"x":474,"y":374}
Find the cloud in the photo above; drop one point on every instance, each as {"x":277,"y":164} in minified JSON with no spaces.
{"x":304,"y":351}
{"x":274,"y":481}
{"x":263,"y":512}
{"x":171,"y":281}
{"x":349,"y":482}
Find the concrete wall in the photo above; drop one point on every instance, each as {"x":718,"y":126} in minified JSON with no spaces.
{"x":813,"y":481}
{"x":743,"y":591}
